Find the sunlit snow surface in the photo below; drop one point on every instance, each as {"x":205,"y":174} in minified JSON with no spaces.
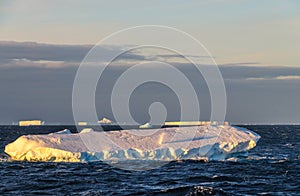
{"x":198,"y":142}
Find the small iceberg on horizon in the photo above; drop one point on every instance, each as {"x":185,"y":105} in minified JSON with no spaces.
{"x":105,"y":121}
{"x":146,"y":126}
{"x":164,"y":144}
{"x":65,"y":131}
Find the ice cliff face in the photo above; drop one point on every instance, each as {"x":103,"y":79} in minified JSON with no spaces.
{"x":199,"y":142}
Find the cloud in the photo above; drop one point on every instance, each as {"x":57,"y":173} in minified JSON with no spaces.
{"x":32,"y":54}
{"x":255,"y":78}
{"x":29,"y":89}
{"x":24,"y":63}
{"x":261,"y":72}
{"x":38,"y":55}
{"x":35,"y":51}
{"x":287,"y":77}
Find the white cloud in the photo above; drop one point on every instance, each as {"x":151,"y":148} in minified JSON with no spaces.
{"x":256,"y":78}
{"x":296,"y":77}
{"x":287,"y":77}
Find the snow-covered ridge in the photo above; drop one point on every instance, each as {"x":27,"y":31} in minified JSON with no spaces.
{"x":197,"y":142}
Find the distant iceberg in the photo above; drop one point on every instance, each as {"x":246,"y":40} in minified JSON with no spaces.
{"x":105,"y":121}
{"x":146,"y":126}
{"x":165,"y":144}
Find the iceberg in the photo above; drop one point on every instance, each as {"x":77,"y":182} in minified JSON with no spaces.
{"x":105,"y":121}
{"x":146,"y":126}
{"x":164,"y":144}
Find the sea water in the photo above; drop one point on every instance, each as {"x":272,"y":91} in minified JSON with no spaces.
{"x":272,"y":167}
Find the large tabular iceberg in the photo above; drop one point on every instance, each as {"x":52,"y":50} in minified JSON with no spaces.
{"x":197,"y":142}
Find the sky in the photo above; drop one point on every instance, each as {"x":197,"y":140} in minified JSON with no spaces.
{"x":255,"y":43}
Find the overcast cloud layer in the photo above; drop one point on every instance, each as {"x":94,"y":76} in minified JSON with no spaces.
{"x":36,"y":82}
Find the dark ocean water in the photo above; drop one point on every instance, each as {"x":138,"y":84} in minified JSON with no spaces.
{"x":272,"y":168}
